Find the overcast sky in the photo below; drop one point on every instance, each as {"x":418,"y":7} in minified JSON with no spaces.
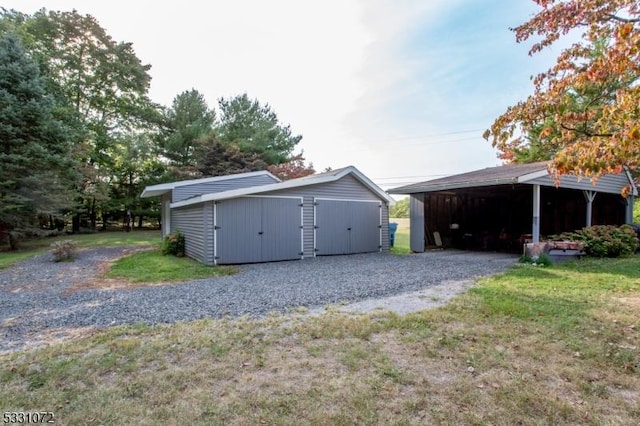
{"x":401,"y":89}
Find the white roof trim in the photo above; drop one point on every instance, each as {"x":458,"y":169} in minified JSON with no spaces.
{"x":542,"y":173}
{"x":634,"y":187}
{"x":293,"y":183}
{"x":471,"y":184}
{"x":533,"y":175}
{"x":155,"y":190}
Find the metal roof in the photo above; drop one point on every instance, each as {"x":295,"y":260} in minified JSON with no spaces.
{"x":330,"y":176}
{"x":500,"y":175}
{"x":163,"y":188}
{"x":511,"y":174}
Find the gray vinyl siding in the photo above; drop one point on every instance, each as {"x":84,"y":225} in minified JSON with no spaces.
{"x":347,"y":188}
{"x":307,"y":226}
{"x":181,"y":193}
{"x":208,"y":234}
{"x":385,"y":226}
{"x":191,"y":222}
{"x":416,"y":222}
{"x":612,"y":184}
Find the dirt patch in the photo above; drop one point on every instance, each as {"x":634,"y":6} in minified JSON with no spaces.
{"x":630,"y":301}
{"x":96,"y":280}
{"x":428,"y":298}
{"x":49,"y":337}
{"x":83,"y":273}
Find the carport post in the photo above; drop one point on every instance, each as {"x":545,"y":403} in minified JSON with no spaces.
{"x":629,"y":212}
{"x":535,"y":232}
{"x":589,"y":196}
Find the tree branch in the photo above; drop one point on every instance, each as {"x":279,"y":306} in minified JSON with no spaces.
{"x":621,"y":19}
{"x":585,"y":132}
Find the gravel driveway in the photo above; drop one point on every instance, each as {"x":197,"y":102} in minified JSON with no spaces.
{"x":37,"y":296}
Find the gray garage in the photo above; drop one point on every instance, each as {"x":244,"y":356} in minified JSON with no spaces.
{"x":254,"y":217}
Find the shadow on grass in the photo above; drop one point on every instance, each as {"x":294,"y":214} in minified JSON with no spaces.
{"x":562,"y":294}
{"x":526,"y":306}
{"x":625,"y":266}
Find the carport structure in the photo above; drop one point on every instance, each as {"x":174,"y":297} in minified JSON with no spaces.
{"x":500,"y":208}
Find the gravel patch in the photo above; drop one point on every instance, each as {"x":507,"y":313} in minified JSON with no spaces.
{"x":415,"y":301}
{"x":37,"y":303}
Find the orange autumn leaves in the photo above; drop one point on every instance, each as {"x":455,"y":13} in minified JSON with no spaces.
{"x":589,"y":102}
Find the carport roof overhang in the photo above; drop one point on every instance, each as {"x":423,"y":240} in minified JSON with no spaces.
{"x":532,"y":174}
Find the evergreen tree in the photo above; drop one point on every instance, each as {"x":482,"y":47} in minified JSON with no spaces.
{"x":187,"y":122}
{"x":35,"y":172}
{"x":221,"y":159}
{"x":255,"y":129}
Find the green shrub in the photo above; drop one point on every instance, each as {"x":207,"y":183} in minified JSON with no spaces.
{"x":608,"y":240}
{"x":63,"y":250}
{"x":173,"y":244}
{"x":566,"y":236}
{"x":400,"y":208}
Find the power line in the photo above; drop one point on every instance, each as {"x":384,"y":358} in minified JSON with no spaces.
{"x":399,"y":146}
{"x":410,"y":177}
{"x":433,"y":135}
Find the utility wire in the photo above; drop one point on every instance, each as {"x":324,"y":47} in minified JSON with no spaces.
{"x":400,"y":146}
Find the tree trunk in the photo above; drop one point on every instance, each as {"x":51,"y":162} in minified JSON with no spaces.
{"x":52,"y":225}
{"x":104,"y":221}
{"x":14,"y":241}
{"x":93,"y":215}
{"x":75,"y":223}
{"x":140,"y":221}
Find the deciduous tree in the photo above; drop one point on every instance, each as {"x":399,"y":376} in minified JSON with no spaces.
{"x":585,"y":110}
{"x":292,"y":169}
{"x":101,"y":84}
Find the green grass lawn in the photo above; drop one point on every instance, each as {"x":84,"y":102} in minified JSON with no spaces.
{"x":401,"y":243}
{"x":153,"y":267}
{"x":555,"y":345}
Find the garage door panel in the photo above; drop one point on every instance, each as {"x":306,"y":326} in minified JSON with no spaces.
{"x":332,"y":224}
{"x":258,"y":229}
{"x":281,"y":232}
{"x":346,"y":227}
{"x":365,"y":227}
{"x":238,"y":233}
